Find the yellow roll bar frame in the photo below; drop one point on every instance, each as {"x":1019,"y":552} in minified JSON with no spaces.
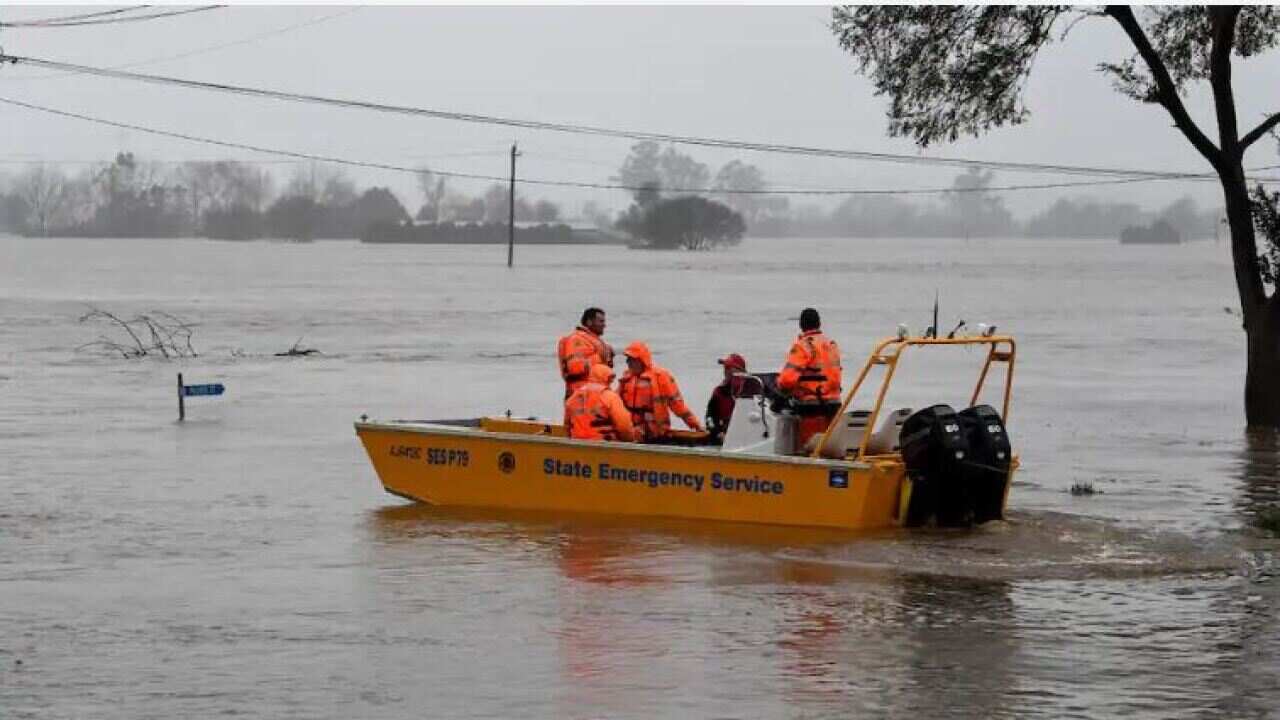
{"x":1001,"y":348}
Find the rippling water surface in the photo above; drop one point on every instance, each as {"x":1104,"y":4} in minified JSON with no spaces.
{"x":247,"y":562}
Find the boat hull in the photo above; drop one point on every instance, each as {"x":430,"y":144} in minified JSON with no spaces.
{"x":471,"y":467}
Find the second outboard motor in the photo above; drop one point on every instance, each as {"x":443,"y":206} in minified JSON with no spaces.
{"x":935,"y":451}
{"x":989,"y":459}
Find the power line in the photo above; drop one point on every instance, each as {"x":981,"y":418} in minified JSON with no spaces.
{"x":31,"y":160}
{"x":1199,"y":177}
{"x":110,"y":20}
{"x":576,"y":159}
{"x":67,"y":18}
{"x":203,"y":50}
{"x":582,"y":184}
{"x":156,"y":161}
{"x":599,"y":131}
{"x":242,"y":146}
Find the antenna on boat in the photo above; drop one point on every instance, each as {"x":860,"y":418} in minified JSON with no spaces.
{"x":933,"y":329}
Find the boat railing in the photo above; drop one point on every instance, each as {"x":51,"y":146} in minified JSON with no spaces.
{"x":1000,"y":349}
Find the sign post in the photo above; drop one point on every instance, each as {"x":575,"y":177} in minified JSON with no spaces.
{"x":185,"y":391}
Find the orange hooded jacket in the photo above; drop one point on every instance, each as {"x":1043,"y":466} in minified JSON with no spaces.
{"x":813,"y":369}
{"x":595,"y":412}
{"x":578,"y":352}
{"x":652,"y":395}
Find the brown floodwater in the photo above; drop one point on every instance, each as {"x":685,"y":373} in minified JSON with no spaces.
{"x":247,"y":562}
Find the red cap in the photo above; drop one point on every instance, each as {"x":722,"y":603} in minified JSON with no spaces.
{"x":735,"y":361}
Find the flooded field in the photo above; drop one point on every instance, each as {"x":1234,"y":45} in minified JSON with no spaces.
{"x":247,"y":562}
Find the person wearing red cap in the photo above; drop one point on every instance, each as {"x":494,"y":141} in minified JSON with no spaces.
{"x":720,"y":406}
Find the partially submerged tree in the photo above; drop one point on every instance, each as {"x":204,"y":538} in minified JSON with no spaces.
{"x":961,"y":70}
{"x":688,"y":222}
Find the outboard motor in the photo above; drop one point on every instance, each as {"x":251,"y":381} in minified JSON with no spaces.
{"x":935,"y":450}
{"x":989,"y":459}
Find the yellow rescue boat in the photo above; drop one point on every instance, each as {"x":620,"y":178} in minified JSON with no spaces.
{"x":935,"y":466}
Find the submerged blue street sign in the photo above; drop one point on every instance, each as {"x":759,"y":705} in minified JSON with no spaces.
{"x":210,"y":389}
{"x":186,"y":391}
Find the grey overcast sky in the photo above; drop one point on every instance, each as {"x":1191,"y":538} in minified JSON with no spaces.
{"x":770,"y":74}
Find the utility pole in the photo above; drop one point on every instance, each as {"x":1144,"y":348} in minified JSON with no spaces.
{"x":511,"y":210}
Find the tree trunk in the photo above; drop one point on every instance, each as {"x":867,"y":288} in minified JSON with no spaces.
{"x":1262,"y":378}
{"x":1261,"y":314}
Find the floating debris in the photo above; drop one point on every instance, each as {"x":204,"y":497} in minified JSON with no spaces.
{"x":1083,"y":488}
{"x":298,"y":351}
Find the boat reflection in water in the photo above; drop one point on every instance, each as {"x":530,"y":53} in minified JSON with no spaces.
{"x":630,"y":614}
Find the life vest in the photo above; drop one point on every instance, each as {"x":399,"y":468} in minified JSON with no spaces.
{"x":647,"y":404}
{"x":812,"y":373}
{"x":578,"y":351}
{"x":588,"y":415}
{"x":651,"y":396}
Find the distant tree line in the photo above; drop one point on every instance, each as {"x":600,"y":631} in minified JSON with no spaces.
{"x":677,"y":202}
{"x":128,"y":197}
{"x":983,"y":215}
{"x":662,"y":181}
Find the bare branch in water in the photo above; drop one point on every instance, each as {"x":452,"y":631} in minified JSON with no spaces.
{"x":168,"y":335}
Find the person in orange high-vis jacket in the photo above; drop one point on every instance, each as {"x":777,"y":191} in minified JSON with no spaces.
{"x":811,"y":377}
{"x":582,"y":349}
{"x":595,"y":412}
{"x":651,"y":394}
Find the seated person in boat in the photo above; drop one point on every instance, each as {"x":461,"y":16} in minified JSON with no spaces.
{"x":595,"y":412}
{"x":811,"y":377}
{"x":724,"y":396}
{"x":651,"y":394}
